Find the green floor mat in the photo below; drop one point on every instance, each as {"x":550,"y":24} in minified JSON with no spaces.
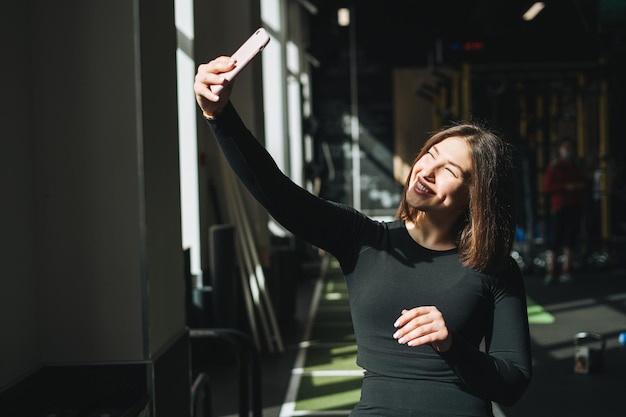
{"x":537,"y":314}
{"x":325,"y":393}
{"x":330,"y":380}
{"x":331,"y":358}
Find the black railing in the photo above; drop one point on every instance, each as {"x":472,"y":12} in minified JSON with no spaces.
{"x":248,"y":366}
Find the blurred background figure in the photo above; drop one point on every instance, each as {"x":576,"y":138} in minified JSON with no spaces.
{"x":565,"y":183}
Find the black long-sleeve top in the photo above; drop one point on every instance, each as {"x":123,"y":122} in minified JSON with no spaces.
{"x":386,"y":272}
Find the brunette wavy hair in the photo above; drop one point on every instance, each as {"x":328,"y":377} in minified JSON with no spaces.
{"x":485,"y":232}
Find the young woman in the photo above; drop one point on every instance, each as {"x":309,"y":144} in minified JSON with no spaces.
{"x":438,"y":305}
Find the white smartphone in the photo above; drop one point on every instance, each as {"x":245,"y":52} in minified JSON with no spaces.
{"x":246,"y":53}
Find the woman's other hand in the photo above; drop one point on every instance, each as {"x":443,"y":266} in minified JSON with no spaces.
{"x":210,"y":74}
{"x":421,"y":326}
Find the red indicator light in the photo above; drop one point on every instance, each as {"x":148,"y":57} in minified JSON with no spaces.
{"x":472,"y":46}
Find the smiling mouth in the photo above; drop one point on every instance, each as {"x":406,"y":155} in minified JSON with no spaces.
{"x":422,"y":188}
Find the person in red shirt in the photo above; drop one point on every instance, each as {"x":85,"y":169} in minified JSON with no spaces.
{"x":564,"y":181}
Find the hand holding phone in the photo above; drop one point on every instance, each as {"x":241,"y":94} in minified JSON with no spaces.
{"x":246,"y":53}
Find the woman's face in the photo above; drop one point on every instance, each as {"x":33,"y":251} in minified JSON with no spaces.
{"x":438,"y":181}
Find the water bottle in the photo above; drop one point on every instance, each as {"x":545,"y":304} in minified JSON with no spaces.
{"x":588,"y":352}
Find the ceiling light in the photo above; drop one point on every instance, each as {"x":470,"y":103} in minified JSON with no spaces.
{"x":533,"y":11}
{"x":343,"y":16}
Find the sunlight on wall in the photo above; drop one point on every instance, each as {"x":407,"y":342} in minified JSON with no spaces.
{"x":270,"y":14}
{"x":188,"y":148}
{"x":272,"y":83}
{"x":294,"y":98}
{"x":273,"y":102}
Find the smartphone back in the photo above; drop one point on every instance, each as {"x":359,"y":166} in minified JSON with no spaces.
{"x":244,"y":55}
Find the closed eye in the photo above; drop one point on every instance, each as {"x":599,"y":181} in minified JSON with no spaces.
{"x":451,"y":171}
